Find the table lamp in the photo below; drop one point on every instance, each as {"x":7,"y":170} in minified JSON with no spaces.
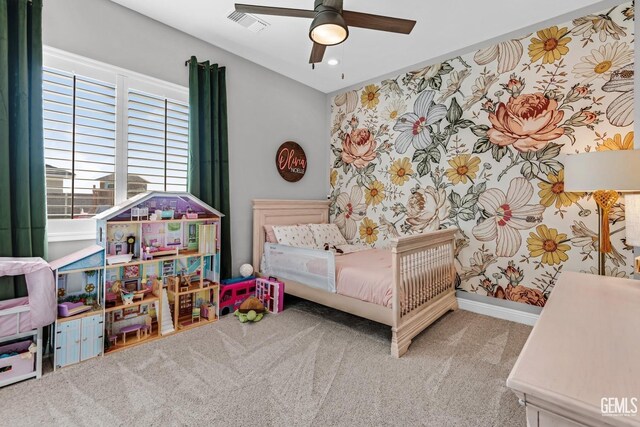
{"x":605,"y":174}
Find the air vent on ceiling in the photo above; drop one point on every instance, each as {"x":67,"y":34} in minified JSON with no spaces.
{"x":250,"y":22}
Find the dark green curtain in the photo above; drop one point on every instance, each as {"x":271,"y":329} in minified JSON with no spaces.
{"x":209,"y":146}
{"x":22,"y":171}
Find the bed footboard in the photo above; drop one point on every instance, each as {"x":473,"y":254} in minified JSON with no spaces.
{"x":423,"y":284}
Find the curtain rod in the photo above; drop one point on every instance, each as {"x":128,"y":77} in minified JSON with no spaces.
{"x":201,"y":64}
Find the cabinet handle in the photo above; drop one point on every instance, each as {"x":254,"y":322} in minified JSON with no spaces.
{"x":84,"y":339}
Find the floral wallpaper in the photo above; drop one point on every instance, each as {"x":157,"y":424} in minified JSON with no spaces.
{"x":477,"y":142}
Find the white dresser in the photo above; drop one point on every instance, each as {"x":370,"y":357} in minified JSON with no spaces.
{"x":584,"y":348}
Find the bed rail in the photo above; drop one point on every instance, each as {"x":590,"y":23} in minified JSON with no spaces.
{"x":16,"y":311}
{"x":423,"y":283}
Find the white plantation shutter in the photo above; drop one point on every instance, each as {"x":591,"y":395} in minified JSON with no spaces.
{"x":109,"y":134}
{"x":157,"y":151}
{"x":80,"y":137}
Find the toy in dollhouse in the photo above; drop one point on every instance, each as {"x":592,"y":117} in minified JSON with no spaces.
{"x":131,"y":325}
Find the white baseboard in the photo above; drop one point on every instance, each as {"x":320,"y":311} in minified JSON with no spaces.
{"x":497,"y":311}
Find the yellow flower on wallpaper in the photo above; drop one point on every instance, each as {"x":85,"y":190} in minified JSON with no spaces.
{"x":368,"y":231}
{"x":549,"y":244}
{"x":370,"y":96}
{"x":333,"y":177}
{"x":553,"y":192}
{"x":550,"y":45}
{"x":374,"y":194}
{"x":400,"y":171}
{"x":617,"y":143}
{"x":463,"y":168}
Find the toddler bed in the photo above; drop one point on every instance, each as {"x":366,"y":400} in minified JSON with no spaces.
{"x":407,"y":287}
{"x":23,"y":318}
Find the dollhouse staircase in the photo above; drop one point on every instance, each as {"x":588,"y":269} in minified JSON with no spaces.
{"x":167,"y":320}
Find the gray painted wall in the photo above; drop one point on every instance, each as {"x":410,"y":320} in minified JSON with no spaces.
{"x":264,"y":108}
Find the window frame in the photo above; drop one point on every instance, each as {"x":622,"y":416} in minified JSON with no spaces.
{"x":62,"y":230}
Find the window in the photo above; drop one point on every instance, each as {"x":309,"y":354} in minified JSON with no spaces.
{"x":158,"y":144}
{"x":79,"y":140}
{"x":109,"y":134}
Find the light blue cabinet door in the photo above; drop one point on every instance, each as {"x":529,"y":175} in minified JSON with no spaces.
{"x":98,"y":333}
{"x":91,"y":337}
{"x":68,"y":347}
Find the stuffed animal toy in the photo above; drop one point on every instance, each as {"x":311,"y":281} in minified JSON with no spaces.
{"x":251,"y":310}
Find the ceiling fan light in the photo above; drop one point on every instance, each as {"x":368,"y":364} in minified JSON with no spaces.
{"x":328,"y":28}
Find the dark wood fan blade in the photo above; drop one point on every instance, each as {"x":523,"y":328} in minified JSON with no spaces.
{"x":317,"y":53}
{"x":278,"y":11}
{"x":334,"y":4}
{"x":378,"y":22}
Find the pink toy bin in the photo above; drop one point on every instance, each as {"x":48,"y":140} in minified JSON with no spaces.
{"x":16,"y":366}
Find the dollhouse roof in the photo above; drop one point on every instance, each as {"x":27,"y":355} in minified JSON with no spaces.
{"x":90,"y":257}
{"x":159,"y":200}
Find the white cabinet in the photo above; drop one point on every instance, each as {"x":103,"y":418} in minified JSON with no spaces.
{"x":79,"y":340}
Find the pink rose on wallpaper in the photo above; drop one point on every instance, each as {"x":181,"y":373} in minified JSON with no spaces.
{"x":358,"y":148}
{"x":521,"y":294}
{"x":528,"y":122}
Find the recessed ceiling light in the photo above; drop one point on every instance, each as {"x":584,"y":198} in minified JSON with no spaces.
{"x":333,"y":62}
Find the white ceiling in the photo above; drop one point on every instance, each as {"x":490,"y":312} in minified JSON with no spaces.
{"x":443,"y":27}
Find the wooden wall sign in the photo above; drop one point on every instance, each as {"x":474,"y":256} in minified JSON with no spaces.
{"x":291,"y":161}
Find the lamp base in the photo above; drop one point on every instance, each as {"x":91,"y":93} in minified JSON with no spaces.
{"x":605,"y":200}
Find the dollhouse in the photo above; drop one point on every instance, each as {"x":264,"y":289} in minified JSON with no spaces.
{"x":162,"y":266}
{"x":155,"y":270}
{"x":79,"y":328}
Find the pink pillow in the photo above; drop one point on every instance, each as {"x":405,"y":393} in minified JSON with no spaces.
{"x":270,"y":235}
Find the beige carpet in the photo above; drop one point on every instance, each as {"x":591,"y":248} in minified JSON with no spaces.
{"x":308,"y":366}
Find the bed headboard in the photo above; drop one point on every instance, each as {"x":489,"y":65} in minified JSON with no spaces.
{"x":284,"y":212}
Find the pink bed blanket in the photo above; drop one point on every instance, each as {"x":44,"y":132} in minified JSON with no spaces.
{"x":365,"y":275}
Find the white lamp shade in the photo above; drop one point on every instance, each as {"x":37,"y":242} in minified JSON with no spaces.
{"x":617,"y":170}
{"x":632,"y":218}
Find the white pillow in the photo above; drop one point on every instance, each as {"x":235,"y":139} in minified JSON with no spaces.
{"x":327,"y":233}
{"x":299,"y":236}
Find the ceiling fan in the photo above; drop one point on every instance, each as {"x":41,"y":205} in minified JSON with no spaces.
{"x":330,"y":25}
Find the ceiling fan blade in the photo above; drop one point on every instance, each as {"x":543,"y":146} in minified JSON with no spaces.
{"x":317,"y":53}
{"x":378,"y":22}
{"x":334,"y":4}
{"x":278,"y":11}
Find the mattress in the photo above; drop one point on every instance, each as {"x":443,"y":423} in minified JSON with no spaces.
{"x":8,"y":323}
{"x":365,"y":275}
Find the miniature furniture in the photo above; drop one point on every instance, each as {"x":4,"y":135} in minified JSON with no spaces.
{"x":422,"y":272}
{"x":79,"y":327}
{"x":113,"y":339}
{"x":128,"y":329}
{"x":583,"y":352}
{"x":195,"y":314}
{"x":22,"y":319}
{"x":147,"y":327}
{"x":67,"y":309}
